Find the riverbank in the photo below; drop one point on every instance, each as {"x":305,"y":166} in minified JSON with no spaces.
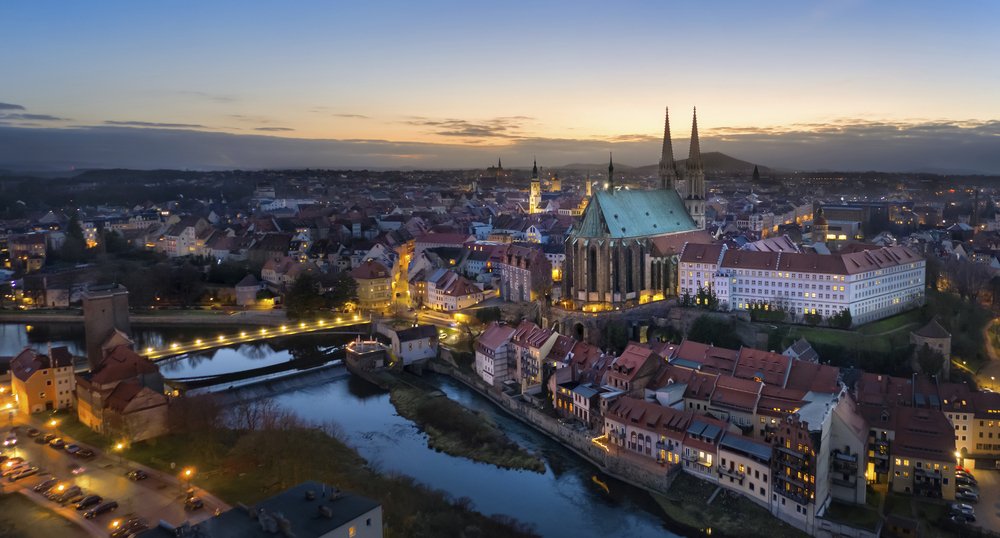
{"x":457,"y":431}
{"x":682,"y":498}
{"x":727,"y":515}
{"x":170,"y":317}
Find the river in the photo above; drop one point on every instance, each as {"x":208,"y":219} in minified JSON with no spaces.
{"x":572,"y":497}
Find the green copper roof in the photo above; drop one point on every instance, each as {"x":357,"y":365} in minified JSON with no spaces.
{"x":628,"y":213}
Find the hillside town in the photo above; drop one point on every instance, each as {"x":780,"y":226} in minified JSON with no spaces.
{"x":581,"y":293}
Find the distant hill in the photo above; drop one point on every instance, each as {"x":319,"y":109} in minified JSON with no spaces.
{"x":581,"y":166}
{"x":716,"y":164}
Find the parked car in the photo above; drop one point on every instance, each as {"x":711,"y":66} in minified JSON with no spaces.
{"x":962,"y":509}
{"x":57,"y":491}
{"x":32,"y":432}
{"x":966,"y":474}
{"x":129,"y":528}
{"x":103,"y":508}
{"x":24,"y":473}
{"x":960,"y":468}
{"x":966,"y":481}
{"x":77,"y":469}
{"x":43,"y":439}
{"x":88,"y":501}
{"x":8,"y":471}
{"x":194,"y":503}
{"x":12,"y":461}
{"x":72,"y":449}
{"x":966,"y":489}
{"x":45,"y":485}
{"x":85,"y":453}
{"x":72,"y":498}
{"x":57,"y":443}
{"x":962,"y":520}
{"x":72,"y":492}
{"x":966,"y":496}
{"x":137,"y":475}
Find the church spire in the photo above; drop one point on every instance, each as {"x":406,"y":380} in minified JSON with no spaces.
{"x":694,"y":156}
{"x":535,"y":193}
{"x":694,"y":177}
{"x":668,"y":168}
{"x":611,"y":173}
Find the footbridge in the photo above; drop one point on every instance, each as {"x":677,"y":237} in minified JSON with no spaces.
{"x":346,"y":325}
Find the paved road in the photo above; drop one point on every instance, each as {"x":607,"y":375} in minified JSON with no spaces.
{"x":988,"y":508}
{"x":155,"y":498}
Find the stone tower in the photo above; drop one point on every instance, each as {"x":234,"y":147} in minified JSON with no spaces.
{"x":668,"y":168}
{"x":934,"y":336}
{"x":820,"y":227}
{"x":105,"y":321}
{"x":590,"y":186}
{"x":694,"y":176}
{"x":556,"y":183}
{"x":535,"y":197}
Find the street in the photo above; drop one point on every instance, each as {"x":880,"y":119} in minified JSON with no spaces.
{"x":988,"y":508}
{"x":153,"y":499}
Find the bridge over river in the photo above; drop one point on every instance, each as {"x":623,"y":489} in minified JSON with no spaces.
{"x":349,"y":325}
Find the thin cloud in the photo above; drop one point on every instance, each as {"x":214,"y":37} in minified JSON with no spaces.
{"x":152,"y":124}
{"x":32,"y":117}
{"x":502,"y":127}
{"x":273,"y":129}
{"x":8,"y":106}
{"x":358,"y":116}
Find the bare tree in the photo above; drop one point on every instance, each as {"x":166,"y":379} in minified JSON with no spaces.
{"x":251,"y":415}
{"x":968,"y":278}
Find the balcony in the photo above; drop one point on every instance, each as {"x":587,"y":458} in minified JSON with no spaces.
{"x":880,"y":442}
{"x":791,"y":452}
{"x":664,"y":446}
{"x":739,"y":475}
{"x":691,"y":457}
{"x":927,"y":473}
{"x":797,"y":464}
{"x":790,"y":480}
{"x":797,"y":497}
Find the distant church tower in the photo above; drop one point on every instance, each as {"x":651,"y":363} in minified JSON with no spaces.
{"x":556,"y":183}
{"x":590,"y":186}
{"x":668,"y":168}
{"x":820,"y":227}
{"x":611,"y":174}
{"x":694,"y":176}
{"x":535,"y":197}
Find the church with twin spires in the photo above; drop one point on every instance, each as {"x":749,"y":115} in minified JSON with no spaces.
{"x":624,"y":250}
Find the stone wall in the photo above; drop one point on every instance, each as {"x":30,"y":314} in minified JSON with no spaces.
{"x":576,"y":441}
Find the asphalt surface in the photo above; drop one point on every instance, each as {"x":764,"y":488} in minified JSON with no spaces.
{"x":155,"y":498}
{"x":988,"y":507}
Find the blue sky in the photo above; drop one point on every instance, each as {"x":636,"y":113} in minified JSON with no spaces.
{"x":513,"y":77}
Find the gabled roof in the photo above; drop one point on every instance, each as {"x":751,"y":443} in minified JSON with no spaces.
{"x":416,"y":333}
{"x":369,"y":270}
{"x":122,"y":363}
{"x":248,"y":282}
{"x":494,"y":336}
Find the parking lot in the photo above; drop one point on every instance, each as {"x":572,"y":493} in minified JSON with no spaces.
{"x":988,"y":508}
{"x":152,"y":499}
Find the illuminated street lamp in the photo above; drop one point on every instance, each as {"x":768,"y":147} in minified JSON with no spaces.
{"x":188,"y":473}
{"x":118,"y":448}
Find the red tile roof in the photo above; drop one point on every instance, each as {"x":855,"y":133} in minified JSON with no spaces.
{"x":121,"y":364}
{"x":370,"y":270}
{"x":771,"y":368}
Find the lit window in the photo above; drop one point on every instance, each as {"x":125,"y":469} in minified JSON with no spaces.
{"x":350,"y":532}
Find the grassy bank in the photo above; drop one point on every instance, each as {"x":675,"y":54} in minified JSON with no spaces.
{"x":249,"y":466}
{"x":456,"y":431}
{"x":734,"y":516}
{"x":20,"y":517}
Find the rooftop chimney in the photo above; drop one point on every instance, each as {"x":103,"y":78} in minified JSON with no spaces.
{"x":325,"y":511}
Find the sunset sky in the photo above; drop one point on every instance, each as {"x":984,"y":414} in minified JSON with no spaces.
{"x":450,"y":84}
